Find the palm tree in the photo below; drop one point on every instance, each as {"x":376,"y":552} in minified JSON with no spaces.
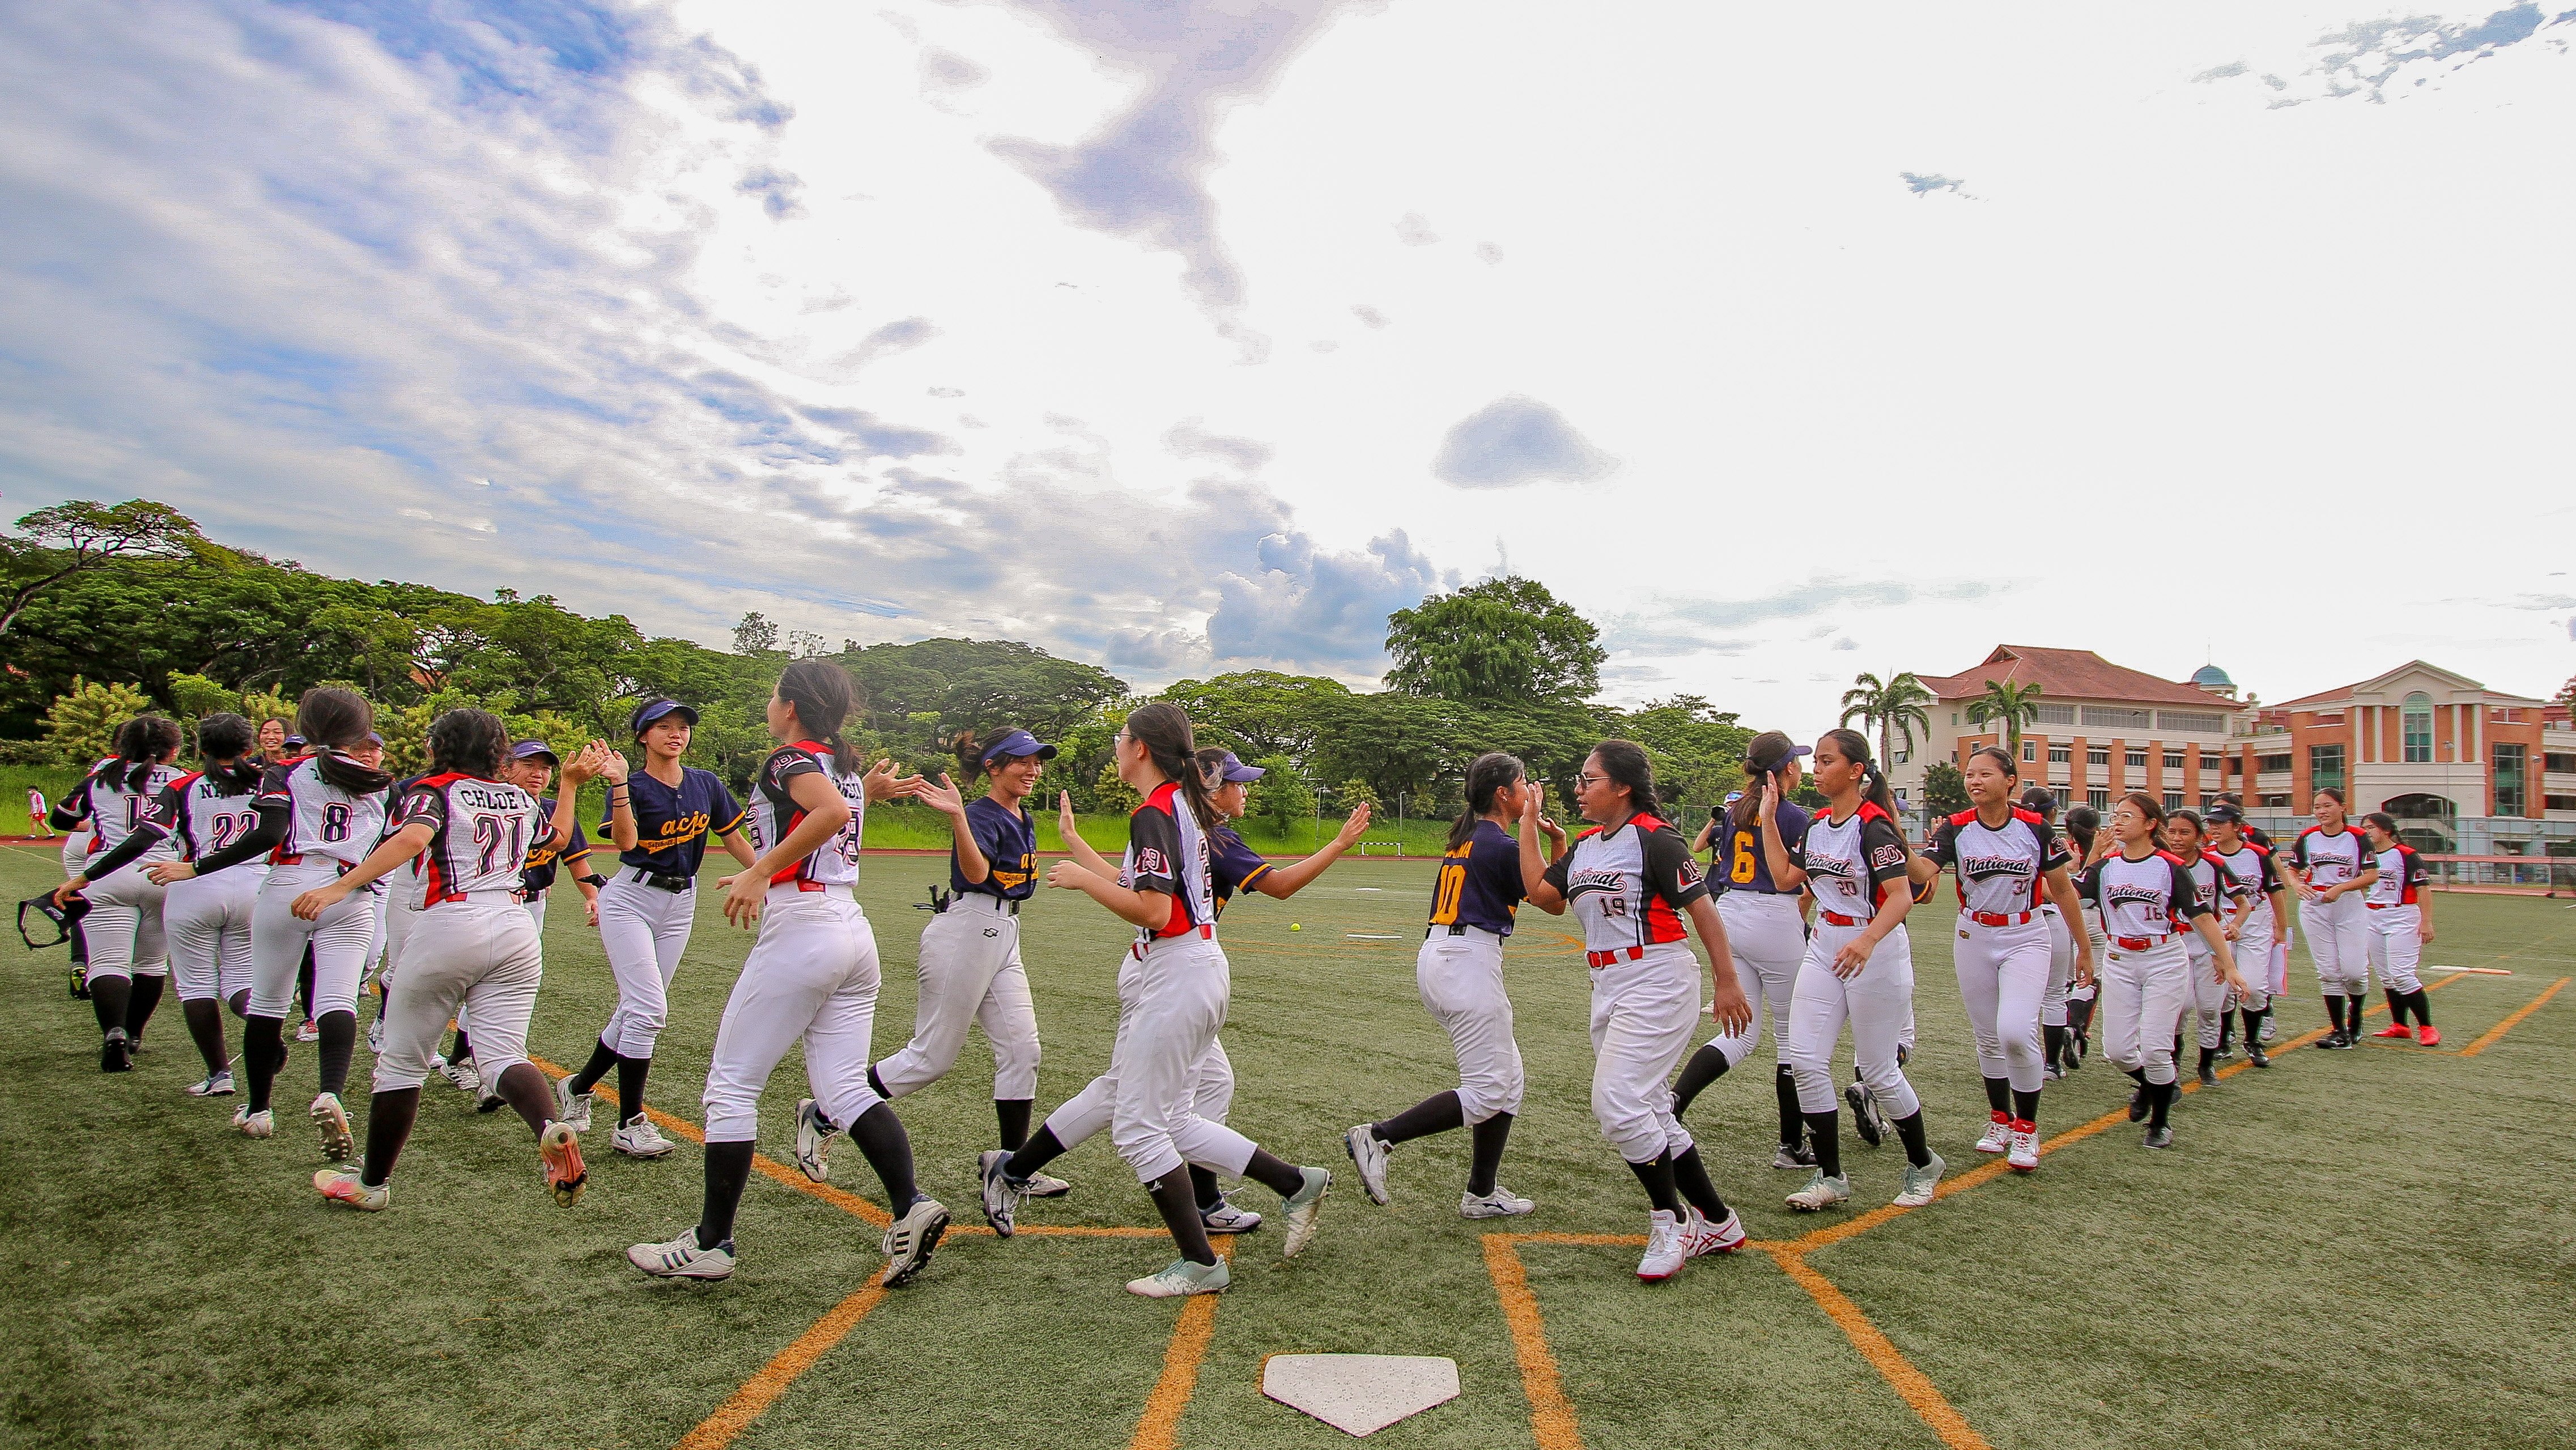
{"x":1894,"y":709}
{"x":2008,"y":705}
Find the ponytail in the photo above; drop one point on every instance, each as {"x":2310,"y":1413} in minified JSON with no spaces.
{"x":823,"y":696}
{"x":968,"y":746}
{"x":1485,"y":777}
{"x":223,"y":743}
{"x":141,"y":743}
{"x":1854,"y":747}
{"x":332,"y":720}
{"x":2082,"y":822}
{"x":1765,"y":759}
{"x":1164,"y":731}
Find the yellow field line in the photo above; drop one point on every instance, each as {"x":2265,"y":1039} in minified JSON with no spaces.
{"x":1160,"y":1426}
{"x":1552,"y":1422}
{"x":746,"y":1404}
{"x":2508,"y":1024}
{"x":1910,"y":1384}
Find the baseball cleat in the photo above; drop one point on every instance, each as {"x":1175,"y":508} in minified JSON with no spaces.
{"x":1785,"y":1156}
{"x":490,"y":1102}
{"x":1047,"y":1185}
{"x":638,"y":1138}
{"x":254,"y":1125}
{"x":214,"y":1085}
{"x":116,"y":1053}
{"x":461,"y":1074}
{"x":343,"y":1185}
{"x":2398,"y":1030}
{"x":1998,"y":1134}
{"x":1303,"y":1208}
{"x":2023,"y":1156}
{"x":681,"y":1258}
{"x":909,"y":1240}
{"x":2137,"y":1105}
{"x":1916,"y":1190}
{"x":1664,"y":1249}
{"x":2052,"y":1073}
{"x":1865,"y":1118}
{"x":2336,"y":1042}
{"x":2268,"y":1028}
{"x":559,"y":1150}
{"x":1821,"y":1192}
{"x":376,"y":1037}
{"x":308,"y":1032}
{"x":1001,"y":1196}
{"x":1501,"y":1203}
{"x":1181,"y":1279}
{"x":2208,"y":1075}
{"x":2428,"y":1035}
{"x":1699,"y":1236}
{"x":2158,"y":1138}
{"x":1368,"y":1155}
{"x":332,"y":1121}
{"x":813,"y":1140}
{"x":1226,"y":1218}
{"x":572,"y":1109}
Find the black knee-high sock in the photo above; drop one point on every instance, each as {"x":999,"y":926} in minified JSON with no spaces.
{"x":1177,"y":1202}
{"x":525,"y":1088}
{"x":2079,"y":1017}
{"x":1705,"y":1066}
{"x":1909,"y":1131}
{"x":263,"y":1052}
{"x":2253,"y":1027}
{"x":239,"y":1002}
{"x":2137,"y":1075}
{"x":1489,"y":1136}
{"x":205,"y":1019}
{"x":1205,"y":1188}
{"x":138,"y":1007}
{"x":1040,"y":1150}
{"x":2026,"y":1105}
{"x":880,"y":1136}
{"x":2160,"y":1101}
{"x":462,"y":1049}
{"x":1011,"y":1115}
{"x":602,"y":1058}
{"x":1825,"y":1137}
{"x":2352,"y":1012}
{"x":1999,"y":1095}
{"x":1690,"y":1179}
{"x":728,"y":1169}
{"x":631,"y":1073}
{"x":304,"y":984}
{"x":338,"y":1042}
{"x":389,"y":1119}
{"x":2422,"y":1002}
{"x":1274,"y":1173}
{"x":1657,"y":1176}
{"x":107,"y":998}
{"x":2208,"y":1058}
{"x":2334,"y":1009}
{"x":2052,"y":1044}
{"x":1437,"y":1113}
{"x":2396,"y":1007}
{"x":80,"y":945}
{"x":1793,"y":1123}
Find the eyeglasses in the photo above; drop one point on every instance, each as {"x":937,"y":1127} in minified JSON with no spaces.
{"x":1585,"y":780}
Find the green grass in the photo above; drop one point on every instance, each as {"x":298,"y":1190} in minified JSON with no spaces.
{"x":2353,"y":1250}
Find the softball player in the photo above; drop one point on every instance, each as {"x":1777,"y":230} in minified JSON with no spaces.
{"x":2275,"y":973}
{"x":1459,"y":973}
{"x":2400,"y":917}
{"x":129,"y":955}
{"x":2251,"y":934}
{"x":1630,"y":881}
{"x":1172,"y":989}
{"x":38,"y":828}
{"x":473,"y":947}
{"x":2006,"y":859}
{"x":319,"y":814}
{"x":531,"y":768}
{"x":78,"y":837}
{"x":660,"y":818}
{"x":1859,"y":967}
{"x":969,"y":969}
{"x":811,"y":978}
{"x":2083,"y":831}
{"x":272,"y":744}
{"x":2147,"y":899}
{"x":2324,"y":861}
{"x":2040,"y":801}
{"x":207,"y":921}
{"x":2223,"y":897}
{"x":1764,"y":930}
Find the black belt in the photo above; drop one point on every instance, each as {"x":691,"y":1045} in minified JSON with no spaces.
{"x":673,"y":884}
{"x":1452,"y":930}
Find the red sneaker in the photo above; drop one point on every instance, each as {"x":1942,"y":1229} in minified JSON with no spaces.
{"x":2431,"y":1036}
{"x":2395,"y":1029}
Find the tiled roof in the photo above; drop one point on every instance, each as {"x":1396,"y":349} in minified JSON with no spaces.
{"x":2071,"y":674}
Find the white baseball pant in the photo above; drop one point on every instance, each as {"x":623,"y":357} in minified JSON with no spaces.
{"x":2209,"y":994}
{"x":970,"y":972}
{"x":1087,"y":1113}
{"x":207,"y":919}
{"x":478,"y":954}
{"x":2339,"y":943}
{"x":2061,"y":969}
{"x":339,"y":938}
{"x":644,"y":929}
{"x":76,"y":852}
{"x":1767,"y":938}
{"x":124,"y":925}
{"x":1460,"y":978}
{"x":2144,"y":994}
{"x":1644,"y":1014}
{"x":811,"y":978}
{"x":2003,"y":973}
{"x":1171,"y":1001}
{"x":1878,"y":1002}
{"x":2254,"y":946}
{"x":2396,"y":946}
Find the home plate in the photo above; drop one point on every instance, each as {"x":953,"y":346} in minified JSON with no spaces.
{"x":1359,"y":1394}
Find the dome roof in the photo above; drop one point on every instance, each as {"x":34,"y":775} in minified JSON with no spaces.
{"x":2211,"y":677}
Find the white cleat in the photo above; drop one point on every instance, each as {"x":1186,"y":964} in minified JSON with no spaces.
{"x":308,"y":1032}
{"x":1916,"y":1190}
{"x":1501,"y":1203}
{"x":216,"y":1085}
{"x":1303,"y":1208}
{"x":332,"y":1121}
{"x":1001,"y":1195}
{"x":2024,"y":1157}
{"x":1821,"y":1193}
{"x":638,"y":1138}
{"x":1183,"y":1278}
{"x":1699,"y":1236}
{"x":343,"y":1185}
{"x":1998,"y":1135}
{"x":813,"y":1140}
{"x":1664,"y":1250}
{"x":1047,"y":1185}
{"x":681,"y":1258}
{"x":376,"y":1037}
{"x":260,"y":1124}
{"x":1226,"y":1218}
{"x":572,"y":1109}
{"x":1368,"y":1155}
{"x":462,"y":1075}
{"x":909,"y":1240}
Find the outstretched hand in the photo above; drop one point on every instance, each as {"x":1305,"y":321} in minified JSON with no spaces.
{"x":1353,"y":827}
{"x":944,"y":797}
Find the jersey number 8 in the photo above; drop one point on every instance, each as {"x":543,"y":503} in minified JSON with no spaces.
{"x":335,"y":822}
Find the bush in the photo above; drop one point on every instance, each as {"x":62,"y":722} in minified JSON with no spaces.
{"x":80,"y":728}
{"x":1281,"y":797}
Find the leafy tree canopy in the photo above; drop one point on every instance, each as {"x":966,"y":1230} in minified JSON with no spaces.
{"x":1499,"y":641}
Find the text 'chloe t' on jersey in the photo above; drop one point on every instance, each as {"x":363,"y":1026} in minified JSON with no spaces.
{"x":774,"y":815}
{"x":480,"y":832}
{"x":2001,"y":868}
{"x":1629,"y":886}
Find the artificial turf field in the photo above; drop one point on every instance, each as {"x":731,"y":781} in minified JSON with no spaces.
{"x":2370,"y":1248}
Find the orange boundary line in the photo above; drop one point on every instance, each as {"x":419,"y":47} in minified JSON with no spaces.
{"x":747,"y":1403}
{"x":1552,"y":1422}
{"x":2508,"y":1024}
{"x":1911,"y":1384}
{"x":1159,"y":1428}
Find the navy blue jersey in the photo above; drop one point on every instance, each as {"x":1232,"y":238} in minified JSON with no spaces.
{"x":1740,"y":864}
{"x":1232,"y":865}
{"x":544,"y":859}
{"x":1009,"y":840}
{"x":672,"y":825}
{"x":1480,"y":882}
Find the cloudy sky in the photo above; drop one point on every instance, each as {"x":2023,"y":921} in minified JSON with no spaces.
{"x":1184,"y":337}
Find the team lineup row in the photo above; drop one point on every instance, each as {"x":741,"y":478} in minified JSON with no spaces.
{"x":305,"y":855}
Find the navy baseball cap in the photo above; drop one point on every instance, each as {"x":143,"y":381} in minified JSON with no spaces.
{"x":1017,"y":742}
{"x":652,"y":710}
{"x":1235,"y":772}
{"x":374,"y":739}
{"x":2223,"y":811}
{"x":531,"y":749}
{"x":294,"y":741}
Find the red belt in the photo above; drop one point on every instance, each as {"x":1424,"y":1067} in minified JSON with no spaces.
{"x":1997,"y":918}
{"x":1603,"y":959}
{"x":1836,"y":918}
{"x":2140,"y":943}
{"x":2381,"y":905}
{"x":1205,"y":933}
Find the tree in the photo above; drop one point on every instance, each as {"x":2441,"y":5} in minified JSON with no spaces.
{"x":1356,"y":793}
{"x":1696,"y":749}
{"x":195,"y":697}
{"x":1113,"y":795}
{"x":1895,"y":709}
{"x":1257,"y":712}
{"x":2009,"y":706}
{"x":2567,"y":693}
{"x":1281,"y":797}
{"x":77,"y":537}
{"x":1945,"y":790}
{"x":80,"y":729}
{"x":1503,"y":640}
{"x":757,"y":634}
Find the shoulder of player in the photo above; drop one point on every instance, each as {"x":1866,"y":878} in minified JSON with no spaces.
{"x":182,"y":782}
{"x":1159,"y":801}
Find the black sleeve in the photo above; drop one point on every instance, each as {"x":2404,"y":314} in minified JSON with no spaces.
{"x":1560,"y":872}
{"x":1672,"y":872}
{"x":2271,"y":875}
{"x":1945,"y":845}
{"x":261,"y":839}
{"x":1154,"y":852}
{"x":1884,"y":850}
{"x":2186,"y":892}
{"x":72,"y":810}
{"x":147,"y":833}
{"x":2052,"y":849}
{"x":2088,"y":884}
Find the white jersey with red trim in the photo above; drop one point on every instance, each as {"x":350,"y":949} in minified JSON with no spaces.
{"x":2329,"y":859}
{"x":2001,"y":869}
{"x":1630,"y":886}
{"x":1168,"y":853}
{"x":322,"y":819}
{"x":2250,"y":870}
{"x":2154,"y":897}
{"x":201,"y":816}
{"x":2402,"y":874}
{"x":774,"y":815}
{"x":480,"y":831}
{"x":1850,"y":863}
{"x":114,"y":811}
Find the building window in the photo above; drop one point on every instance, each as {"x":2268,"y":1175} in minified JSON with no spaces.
{"x":2029,"y":751}
{"x":2123,"y":719}
{"x":2276,"y":803}
{"x":1954,"y":717}
{"x":2557,"y":764}
{"x":2509,"y":760}
{"x":1903,"y":756}
{"x":2191,"y":720}
{"x":2061,"y":755}
{"x":2138,"y":759}
{"x":2053,"y":715}
{"x":2558,"y":803}
{"x":2173,"y":800}
{"x":2097,"y":755}
{"x":2270,"y":763}
{"x":2325,"y":767}
{"x":2417,"y":719}
{"x":2098,"y":798}
{"x":2173,"y":760}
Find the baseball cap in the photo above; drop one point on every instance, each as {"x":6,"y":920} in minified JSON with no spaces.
{"x":652,"y":710}
{"x":1017,"y":742}
{"x":1234,"y":772}
{"x":374,"y":739}
{"x":1774,"y":762}
{"x":294,"y":742}
{"x":2223,"y":811}
{"x":530,"y":749}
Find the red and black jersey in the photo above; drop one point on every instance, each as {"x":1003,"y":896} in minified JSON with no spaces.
{"x":480,"y":834}
{"x":774,"y":815}
{"x":2251,"y":868}
{"x":2152,"y":897}
{"x":2402,"y":874}
{"x":2329,"y":858}
{"x":2001,"y":869}
{"x":1167,"y":854}
{"x":1629,"y":886}
{"x":1850,"y":862}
